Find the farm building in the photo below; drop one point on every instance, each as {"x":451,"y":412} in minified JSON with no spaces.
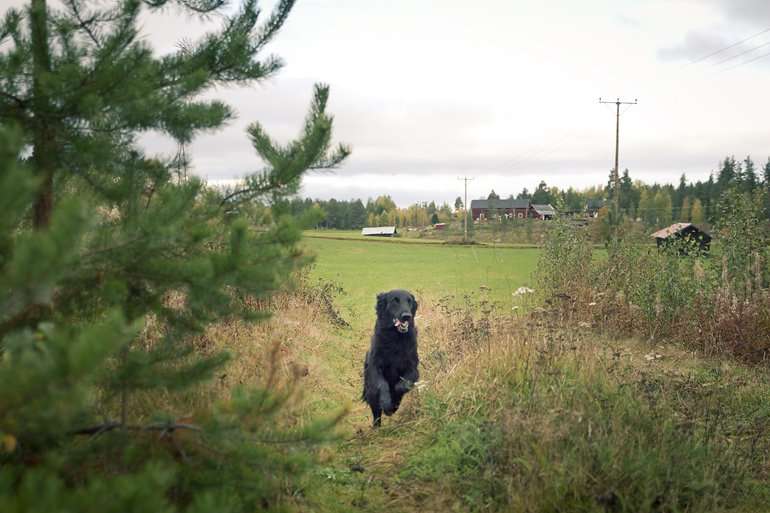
{"x":498,"y":208}
{"x":682,"y":231}
{"x":542,"y":212}
{"x":379,"y":231}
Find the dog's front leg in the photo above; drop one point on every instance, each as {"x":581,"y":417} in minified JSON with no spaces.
{"x":407,"y":381}
{"x":383,"y":393}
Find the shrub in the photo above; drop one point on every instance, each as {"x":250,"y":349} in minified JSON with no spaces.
{"x":565,"y":260}
{"x":717,"y":302}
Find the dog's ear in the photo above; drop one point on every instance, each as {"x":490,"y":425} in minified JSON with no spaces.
{"x":382,"y":303}
{"x":414,"y":304}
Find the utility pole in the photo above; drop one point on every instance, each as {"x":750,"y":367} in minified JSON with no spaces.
{"x":616,"y":171}
{"x":465,"y":208}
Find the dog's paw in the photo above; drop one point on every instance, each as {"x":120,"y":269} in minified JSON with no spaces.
{"x":390,"y":410}
{"x":403,"y":386}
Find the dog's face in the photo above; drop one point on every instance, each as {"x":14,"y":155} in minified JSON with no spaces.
{"x":397,"y":308}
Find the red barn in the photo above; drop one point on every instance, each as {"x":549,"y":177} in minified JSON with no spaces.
{"x":497,"y":208}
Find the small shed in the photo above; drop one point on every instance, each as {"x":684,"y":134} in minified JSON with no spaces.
{"x":543,"y":212}
{"x":683,"y":231}
{"x":379,"y":231}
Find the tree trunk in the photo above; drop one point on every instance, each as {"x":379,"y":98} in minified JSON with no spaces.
{"x":44,"y":153}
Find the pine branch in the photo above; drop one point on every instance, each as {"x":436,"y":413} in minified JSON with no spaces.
{"x":82,"y":24}
{"x":197,"y":6}
{"x":165,"y":428}
{"x":21,"y":103}
{"x":29,"y":316}
{"x":202,"y":6}
{"x":274,"y":23}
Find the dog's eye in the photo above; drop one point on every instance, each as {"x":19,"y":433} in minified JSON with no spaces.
{"x":396,"y":300}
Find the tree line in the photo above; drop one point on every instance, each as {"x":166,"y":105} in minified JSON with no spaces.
{"x":652,"y":204}
{"x":355,"y":214}
{"x":661,"y":204}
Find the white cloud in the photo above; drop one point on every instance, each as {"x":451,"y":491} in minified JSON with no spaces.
{"x":505,"y":91}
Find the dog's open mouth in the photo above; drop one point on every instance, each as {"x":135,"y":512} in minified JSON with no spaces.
{"x":401,"y":326}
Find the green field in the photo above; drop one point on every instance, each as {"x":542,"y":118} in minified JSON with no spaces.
{"x":364,"y":268}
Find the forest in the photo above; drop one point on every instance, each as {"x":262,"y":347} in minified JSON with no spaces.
{"x":655,"y":205}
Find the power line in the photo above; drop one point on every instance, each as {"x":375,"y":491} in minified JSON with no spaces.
{"x":542,"y":151}
{"x":753,"y":49}
{"x":700,"y":59}
{"x":759,"y":57}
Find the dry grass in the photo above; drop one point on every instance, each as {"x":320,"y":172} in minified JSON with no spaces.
{"x":516,"y":413}
{"x":532,"y":417}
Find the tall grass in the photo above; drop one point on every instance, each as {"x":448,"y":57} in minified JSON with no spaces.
{"x":515,"y":413}
{"x":542,"y":419}
{"x":718,"y":303}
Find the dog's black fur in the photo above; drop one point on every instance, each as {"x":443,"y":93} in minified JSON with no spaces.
{"x":390,"y":367}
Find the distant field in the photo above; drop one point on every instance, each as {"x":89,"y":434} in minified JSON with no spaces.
{"x":364,"y":268}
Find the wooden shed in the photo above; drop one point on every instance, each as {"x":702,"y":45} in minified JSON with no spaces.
{"x":543,"y":212}
{"x":680,"y":232}
{"x":379,"y":231}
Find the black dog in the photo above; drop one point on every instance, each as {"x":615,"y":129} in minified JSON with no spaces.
{"x":390,"y":367}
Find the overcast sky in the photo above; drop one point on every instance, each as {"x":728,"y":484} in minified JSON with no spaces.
{"x":505,"y":91}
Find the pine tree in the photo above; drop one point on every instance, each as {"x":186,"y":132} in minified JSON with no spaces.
{"x":766,"y":188}
{"x":628,"y":195}
{"x":681,"y":192}
{"x":542,"y":194}
{"x":117,"y":235}
{"x":712,"y":196}
{"x":727,"y":176}
{"x":358,"y":214}
{"x":750,"y":179}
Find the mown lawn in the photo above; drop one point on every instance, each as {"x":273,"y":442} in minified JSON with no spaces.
{"x":364,"y":268}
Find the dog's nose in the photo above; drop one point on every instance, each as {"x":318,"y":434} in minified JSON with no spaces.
{"x":406,"y":317}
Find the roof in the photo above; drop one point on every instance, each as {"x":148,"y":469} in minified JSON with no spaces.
{"x":546,"y":210}
{"x":674,"y":229}
{"x":500,"y":204}
{"x":379,"y":230}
